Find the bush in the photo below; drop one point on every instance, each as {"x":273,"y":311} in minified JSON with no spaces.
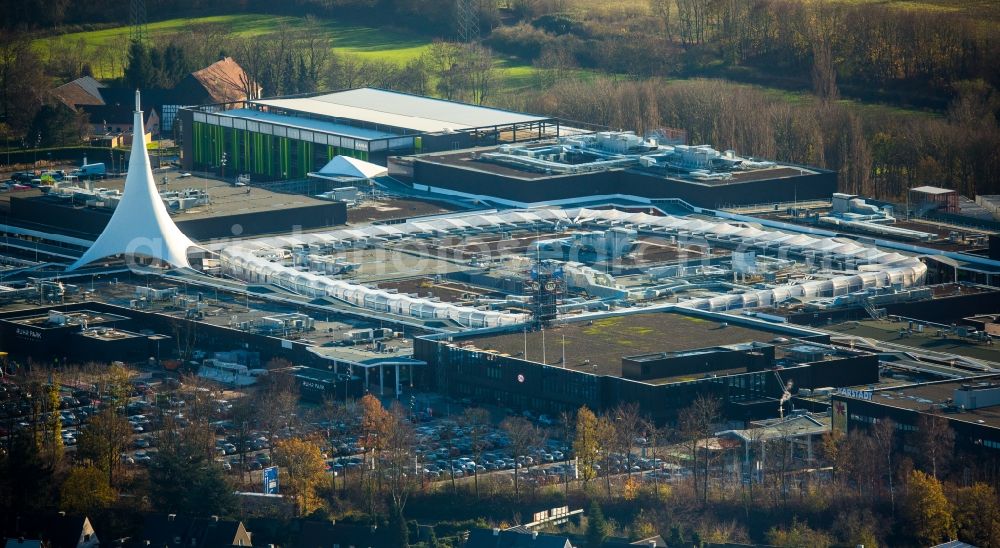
{"x":559,"y":25}
{"x":522,"y":40}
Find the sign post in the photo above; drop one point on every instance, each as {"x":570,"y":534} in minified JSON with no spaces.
{"x":271,"y":480}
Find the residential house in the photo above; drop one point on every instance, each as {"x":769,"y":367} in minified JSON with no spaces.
{"x":324,"y":534}
{"x":113,"y":123}
{"x":171,"y":530}
{"x":223,"y":81}
{"x":514,"y":538}
{"x":52,"y":530}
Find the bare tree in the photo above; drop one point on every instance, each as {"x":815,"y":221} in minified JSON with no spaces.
{"x":696,"y":425}
{"x":884,"y":435}
{"x":397,"y":459}
{"x":936,"y":442}
{"x":522,"y":436}
{"x":478,"y":421}
{"x":627,"y":424}
{"x":607,"y":439}
{"x":280,"y":399}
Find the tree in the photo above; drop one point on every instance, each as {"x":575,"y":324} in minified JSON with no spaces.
{"x":399,"y":533}
{"x":696,"y":426}
{"x":858,"y":527}
{"x":478,"y":421}
{"x":304,"y":472}
{"x":114,"y":387}
{"x":884,"y":436}
{"x":52,"y":442}
{"x":22,"y":81}
{"x":662,"y":9}
{"x":928,"y":512}
{"x":598,"y":528}
{"x":25,"y":477}
{"x":58,"y":126}
{"x":522,"y":435}
{"x":85,"y":490}
{"x":478,"y":73}
{"x":585,"y":443}
{"x":374,"y":424}
{"x":243,"y":416}
{"x":334,"y":414}
{"x":397,"y":463}
{"x":140,"y":72}
{"x":607,"y":437}
{"x":935,"y":441}
{"x":104,"y":440}
{"x":281,"y":395}
{"x":627,"y":424}
{"x":183,"y":481}
{"x":977,"y":515}
{"x":798,"y":535}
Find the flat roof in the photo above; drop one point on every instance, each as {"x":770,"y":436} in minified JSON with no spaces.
{"x":605,"y":341}
{"x":888,"y":331}
{"x":401,"y":110}
{"x":935,"y":396}
{"x":226,"y":198}
{"x":472,"y":160}
{"x":311,"y":124}
{"x":365,"y":355}
{"x":932,"y":190}
{"x":73,"y":317}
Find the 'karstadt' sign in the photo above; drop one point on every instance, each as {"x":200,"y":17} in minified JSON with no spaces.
{"x":856,"y":394}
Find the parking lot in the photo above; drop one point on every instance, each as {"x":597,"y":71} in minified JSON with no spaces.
{"x":446,"y":448}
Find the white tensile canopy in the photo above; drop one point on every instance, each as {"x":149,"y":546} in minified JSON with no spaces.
{"x":341,"y":167}
{"x":140,"y":225}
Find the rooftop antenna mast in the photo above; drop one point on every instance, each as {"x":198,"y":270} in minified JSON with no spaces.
{"x":467,"y":17}
{"x":137,"y":20}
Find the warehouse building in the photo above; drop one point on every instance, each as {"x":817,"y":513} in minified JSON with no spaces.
{"x":659,"y":360}
{"x":288,"y":137}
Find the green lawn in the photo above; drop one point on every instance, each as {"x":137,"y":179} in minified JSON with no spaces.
{"x":367,"y":42}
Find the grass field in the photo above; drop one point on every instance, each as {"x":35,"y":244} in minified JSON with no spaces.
{"x":366,"y":42}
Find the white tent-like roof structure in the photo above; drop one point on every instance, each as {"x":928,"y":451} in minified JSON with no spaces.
{"x":344,"y":166}
{"x":140,"y":225}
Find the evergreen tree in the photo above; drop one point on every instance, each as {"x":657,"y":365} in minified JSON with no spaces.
{"x":139,"y":73}
{"x":183,"y":481}
{"x":25,"y":477}
{"x":175,"y":65}
{"x":598,"y":528}
{"x":156,"y":63}
{"x":56,"y":125}
{"x":290,"y":78}
{"x":306,"y":82}
{"x":676,"y":537}
{"x":399,"y":533}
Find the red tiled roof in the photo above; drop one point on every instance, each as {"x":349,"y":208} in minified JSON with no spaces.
{"x":82,"y":91}
{"x":223,"y":80}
